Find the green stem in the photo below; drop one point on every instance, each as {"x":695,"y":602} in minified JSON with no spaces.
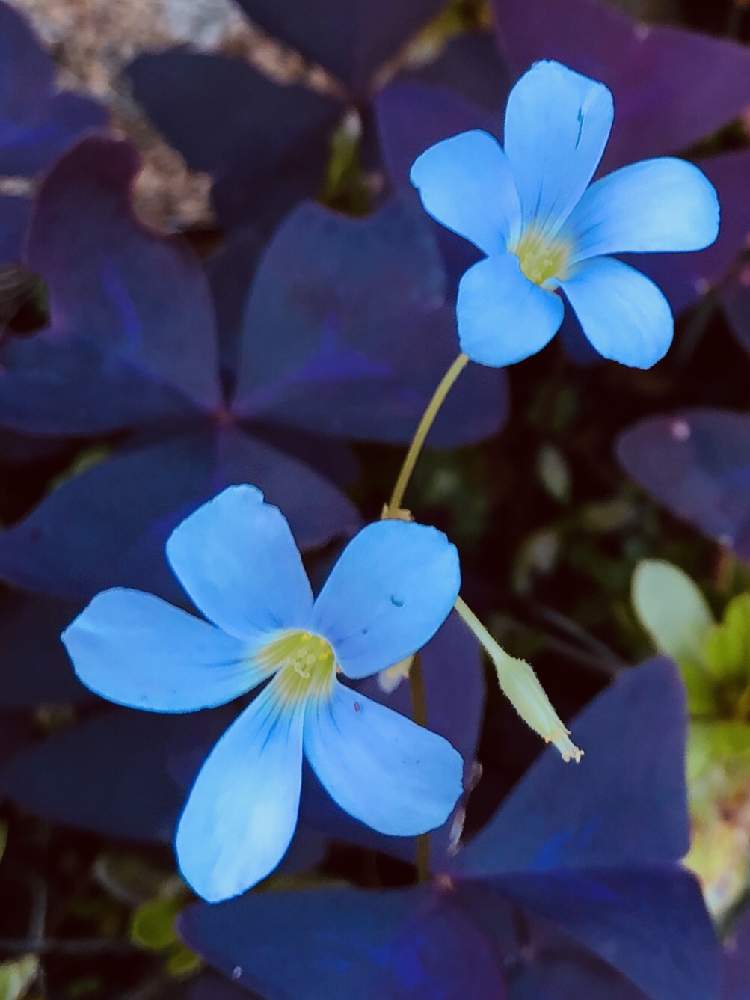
{"x":423,"y":429}
{"x":416,"y":680}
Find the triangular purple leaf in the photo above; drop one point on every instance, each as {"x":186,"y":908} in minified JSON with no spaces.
{"x":351,"y":38}
{"x":360,"y":332}
{"x":132,"y":336}
{"x":623,"y":805}
{"x":322,"y":943}
{"x":265,"y":145}
{"x":697,"y":464}
{"x":36,"y":124}
{"x":649,"y":923}
{"x":671,"y":86}
{"x":35,"y":667}
{"x":108,"y":526}
{"x":14,"y":220}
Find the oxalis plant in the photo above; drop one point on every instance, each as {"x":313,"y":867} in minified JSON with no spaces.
{"x":544,"y":229}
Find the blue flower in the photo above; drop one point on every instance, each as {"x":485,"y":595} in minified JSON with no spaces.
{"x":389,"y":592}
{"x":531,"y":210}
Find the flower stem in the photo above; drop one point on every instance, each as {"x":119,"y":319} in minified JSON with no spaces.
{"x":393,"y":509}
{"x":423,"y":428}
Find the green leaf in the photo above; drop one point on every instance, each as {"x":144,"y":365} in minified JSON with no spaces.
{"x":152,"y":924}
{"x":17,"y":976}
{"x":726,"y":647}
{"x":718,"y":744}
{"x":671,"y":609}
{"x":554,"y":472}
{"x":182,"y":962}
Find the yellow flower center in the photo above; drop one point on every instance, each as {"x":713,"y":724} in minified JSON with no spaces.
{"x":304,"y":662}
{"x":541,"y":257}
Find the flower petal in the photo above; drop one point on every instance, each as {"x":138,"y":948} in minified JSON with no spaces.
{"x":391,"y":589}
{"x":557,"y":123}
{"x":503,"y":317}
{"x":379,"y":766}
{"x":137,"y":650}
{"x":242,"y":810}
{"x":664,"y":204}
{"x":622,"y":312}
{"x":466,"y":184}
{"x":237,"y":560}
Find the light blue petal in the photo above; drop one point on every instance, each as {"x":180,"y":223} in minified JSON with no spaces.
{"x":380,"y":767}
{"x":466,"y":184}
{"x":622,"y":312}
{"x":557,"y":123}
{"x":502,"y":316}
{"x":237,"y":560}
{"x":135,"y":649}
{"x":242,"y":809}
{"x":664,"y":204}
{"x":390,"y":591}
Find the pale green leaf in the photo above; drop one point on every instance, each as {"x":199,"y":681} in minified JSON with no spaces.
{"x":726,"y":647}
{"x":671,"y":609}
{"x":554,"y":472}
{"x":153,"y":923}
{"x":17,"y":976}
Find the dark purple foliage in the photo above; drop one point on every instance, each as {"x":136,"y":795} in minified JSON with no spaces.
{"x":35,"y":667}
{"x":14,"y":220}
{"x":265,"y":146}
{"x":696,"y":463}
{"x":133,"y":344}
{"x":361,"y":332}
{"x":36,"y":122}
{"x":350,"y":38}
{"x":737,"y":962}
{"x":671,"y":86}
{"x":559,"y":855}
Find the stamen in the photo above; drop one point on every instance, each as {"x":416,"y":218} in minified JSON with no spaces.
{"x":542,"y":258}
{"x":304,"y":663}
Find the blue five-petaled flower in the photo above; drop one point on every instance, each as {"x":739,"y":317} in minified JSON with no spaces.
{"x":390,"y":590}
{"x":531,"y":210}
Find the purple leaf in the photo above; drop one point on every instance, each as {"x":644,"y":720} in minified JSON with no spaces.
{"x":409,"y":944}
{"x":697,"y":464}
{"x":360,"y":333}
{"x":650,"y":923}
{"x":351,"y":38}
{"x":737,"y":962}
{"x":35,"y":667}
{"x":14,"y":221}
{"x":108,"y":774}
{"x":470,"y":65}
{"x":107,"y":526}
{"x":230,"y":273}
{"x":623,"y":805}
{"x":132,"y":336}
{"x":36,"y":124}
{"x":126,"y":774}
{"x":671,"y":86}
{"x":412,"y":116}
{"x":265,"y":145}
